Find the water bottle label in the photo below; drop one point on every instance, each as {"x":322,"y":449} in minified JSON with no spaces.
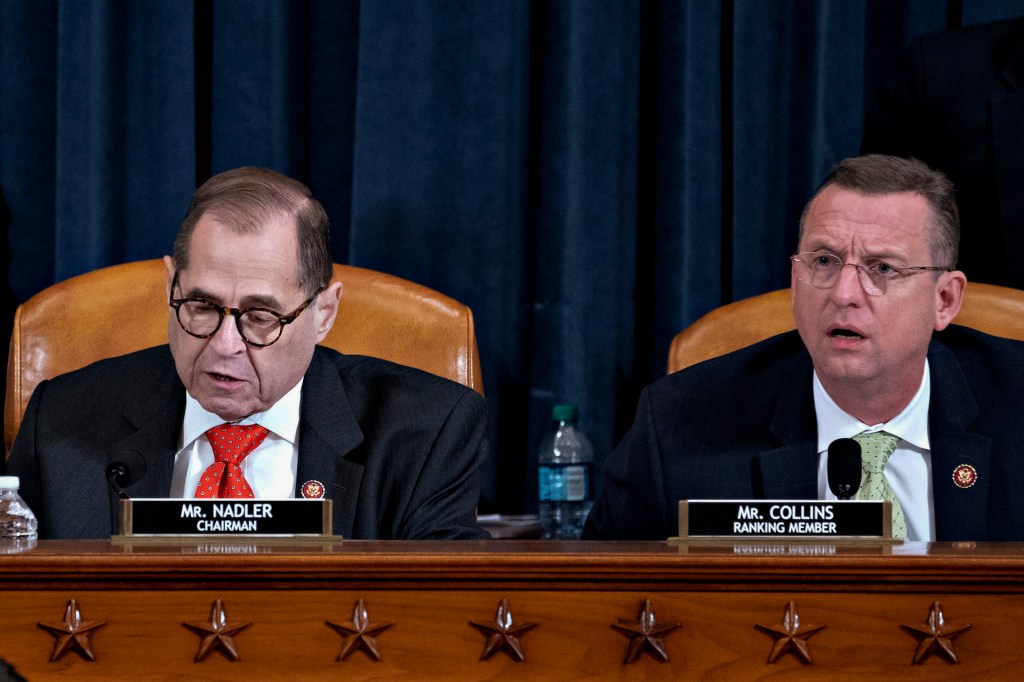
{"x":564,"y":483}
{"x":575,"y":483}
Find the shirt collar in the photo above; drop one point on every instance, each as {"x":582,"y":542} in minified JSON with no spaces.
{"x":282,"y":419}
{"x":911,"y":424}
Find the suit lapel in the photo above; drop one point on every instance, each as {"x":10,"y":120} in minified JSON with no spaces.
{"x":960,"y":513}
{"x":154,"y":440}
{"x":329,"y":431}
{"x":153,"y":414}
{"x":790,"y":471}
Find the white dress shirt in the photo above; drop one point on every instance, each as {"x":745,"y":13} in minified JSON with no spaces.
{"x":909,"y":469}
{"x":270,"y":469}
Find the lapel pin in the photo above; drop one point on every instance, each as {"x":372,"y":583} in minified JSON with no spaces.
{"x":964,"y":476}
{"x":312,"y":490}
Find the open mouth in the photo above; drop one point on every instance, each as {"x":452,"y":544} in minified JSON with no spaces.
{"x":221,"y":377}
{"x":841,"y":333}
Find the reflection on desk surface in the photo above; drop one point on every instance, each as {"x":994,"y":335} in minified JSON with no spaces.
{"x":504,"y":526}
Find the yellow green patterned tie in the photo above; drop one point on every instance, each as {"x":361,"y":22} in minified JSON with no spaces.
{"x":875,"y":451}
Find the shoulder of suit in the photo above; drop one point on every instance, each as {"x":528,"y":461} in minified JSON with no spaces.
{"x":766,"y":359}
{"x":966,"y":341}
{"x":123,"y":367}
{"x":367,"y":370}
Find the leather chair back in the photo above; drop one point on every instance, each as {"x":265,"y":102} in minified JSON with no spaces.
{"x":989,"y":308}
{"x":123,"y":308}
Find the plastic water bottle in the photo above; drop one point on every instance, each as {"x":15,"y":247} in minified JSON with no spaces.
{"x":18,"y":524}
{"x":565,"y":467}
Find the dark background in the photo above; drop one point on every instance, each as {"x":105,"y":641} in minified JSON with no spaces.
{"x":590,"y":176}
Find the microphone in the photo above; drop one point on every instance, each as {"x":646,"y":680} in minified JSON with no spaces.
{"x":844,"y":467}
{"x":124,"y":471}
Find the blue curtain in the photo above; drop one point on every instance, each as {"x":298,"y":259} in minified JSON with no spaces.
{"x":590,"y":176}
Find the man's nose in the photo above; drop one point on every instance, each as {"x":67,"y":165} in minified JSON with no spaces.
{"x":849,"y":287}
{"x":227,"y":340}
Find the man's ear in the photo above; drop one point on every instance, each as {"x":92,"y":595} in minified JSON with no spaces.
{"x":169,"y":265}
{"x":949,"y":294}
{"x":326,"y":309}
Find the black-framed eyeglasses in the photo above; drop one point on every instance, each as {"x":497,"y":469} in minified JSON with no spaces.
{"x":821,"y":270}
{"x":258,"y":327}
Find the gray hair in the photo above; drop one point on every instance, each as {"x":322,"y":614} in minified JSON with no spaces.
{"x":247,"y":200}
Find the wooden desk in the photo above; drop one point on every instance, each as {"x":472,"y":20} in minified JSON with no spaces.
{"x":574,"y":592}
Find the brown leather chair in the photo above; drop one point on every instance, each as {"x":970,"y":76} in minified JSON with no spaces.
{"x":989,"y":308}
{"x":123,"y":308}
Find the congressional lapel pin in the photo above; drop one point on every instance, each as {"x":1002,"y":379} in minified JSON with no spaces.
{"x":964,"y":476}
{"x":312,"y":490}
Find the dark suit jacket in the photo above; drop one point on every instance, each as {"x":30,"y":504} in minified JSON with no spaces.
{"x":398,"y":450}
{"x":743,"y":426}
{"x":957,"y":104}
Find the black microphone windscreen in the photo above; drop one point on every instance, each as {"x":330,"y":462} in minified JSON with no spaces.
{"x":844,"y":467}
{"x":126,"y":467}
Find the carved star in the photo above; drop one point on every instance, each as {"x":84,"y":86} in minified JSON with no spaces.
{"x":72,"y":633}
{"x":503,"y":634}
{"x":935,"y":636}
{"x":365,"y":632}
{"x":645,"y":634}
{"x":216,"y":633}
{"x":790,"y":635}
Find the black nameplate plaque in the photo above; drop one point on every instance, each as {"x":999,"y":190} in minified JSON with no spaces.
{"x":785,"y":519}
{"x":188,"y":517}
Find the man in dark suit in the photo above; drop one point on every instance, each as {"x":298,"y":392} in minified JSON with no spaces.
{"x":957,"y":103}
{"x":874,"y":290}
{"x":250,"y":292}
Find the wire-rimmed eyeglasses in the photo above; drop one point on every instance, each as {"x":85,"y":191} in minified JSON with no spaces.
{"x":821,"y":269}
{"x":257,"y":326}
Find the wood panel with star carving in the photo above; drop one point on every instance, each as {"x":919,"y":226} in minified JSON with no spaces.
{"x":518,"y":609}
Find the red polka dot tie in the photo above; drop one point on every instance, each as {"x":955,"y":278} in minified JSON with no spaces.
{"x":231,"y":444}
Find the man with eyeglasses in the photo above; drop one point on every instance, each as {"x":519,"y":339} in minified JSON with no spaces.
{"x":874,"y":358}
{"x":244,"y":403}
